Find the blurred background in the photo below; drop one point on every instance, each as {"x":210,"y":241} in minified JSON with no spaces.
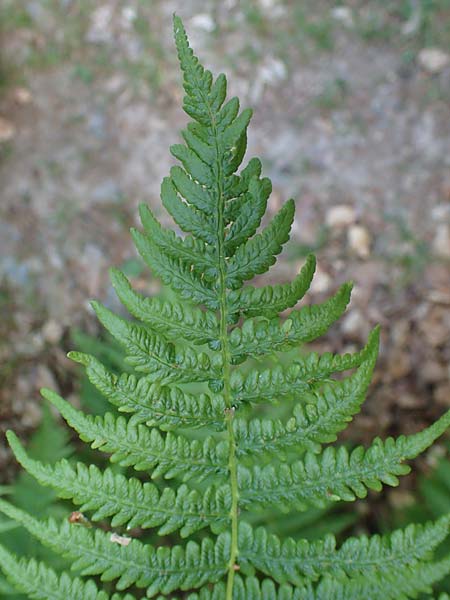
{"x":351,"y":118}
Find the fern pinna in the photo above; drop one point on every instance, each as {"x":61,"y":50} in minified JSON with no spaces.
{"x":187,"y":412}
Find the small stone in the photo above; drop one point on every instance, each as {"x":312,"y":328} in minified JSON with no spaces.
{"x":435,"y":325}
{"x":92,"y":268}
{"x":432,"y":372}
{"x":129,"y":14}
{"x":22,"y":95}
{"x":401,"y":499}
{"x":273,"y":9}
{"x":433,"y":60}
{"x":204,"y":21}
{"x":52,"y":331}
{"x":321,"y":282}
{"x":342,"y":215}
{"x":441,"y":242}
{"x":100,"y":30}
{"x":354,"y":325}
{"x":399,"y":364}
{"x":271,"y":72}
{"x":441,"y":394}
{"x":31,"y":414}
{"x":400,"y":332}
{"x":359,"y":240}
{"x":441,"y":212}
{"x":407,"y":400}
{"x":7,"y":130}
{"x":343,"y":14}
{"x":439,"y":297}
{"x":45,"y":378}
{"x":435,"y":454}
{"x":350,"y":349}
{"x":31,"y":345}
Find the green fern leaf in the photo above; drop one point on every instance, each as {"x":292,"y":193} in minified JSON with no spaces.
{"x":294,"y":562}
{"x":257,"y":337}
{"x":236,"y":188}
{"x":396,"y":584}
{"x":175,"y":273}
{"x":144,"y":449}
{"x":38,"y":581}
{"x":250,"y":588}
{"x":258,"y":253}
{"x":128,"y":501}
{"x":192,"y":192}
{"x":254,"y":205}
{"x":199,"y":170}
{"x":335,"y":474}
{"x":173,"y":320}
{"x":158,"y":570}
{"x":270,"y":300}
{"x":152,"y":354}
{"x":188,"y":218}
{"x":190,"y":251}
{"x":297,"y":380}
{"x":152,"y":403}
{"x":322,"y":414}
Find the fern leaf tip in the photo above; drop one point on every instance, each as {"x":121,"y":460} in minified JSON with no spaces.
{"x":11,"y":437}
{"x":16,"y":446}
{"x":51,"y":396}
{"x":78,"y":357}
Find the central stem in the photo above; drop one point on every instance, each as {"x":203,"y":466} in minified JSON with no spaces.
{"x":226,"y":354}
{"x":232,"y":463}
{"x":226,"y":360}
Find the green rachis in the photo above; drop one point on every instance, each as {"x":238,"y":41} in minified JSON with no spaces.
{"x":195,"y":422}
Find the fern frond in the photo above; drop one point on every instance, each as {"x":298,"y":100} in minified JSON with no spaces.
{"x":192,"y":252}
{"x":154,"y":404}
{"x":221,"y":127}
{"x":236,"y":188}
{"x":249,"y":588}
{"x":174,"y":273}
{"x":294,"y":562}
{"x":321,"y":416}
{"x":39,"y":581}
{"x":393,"y":585}
{"x":158,"y":570}
{"x":298,"y":379}
{"x":335,"y":474}
{"x":252,"y":209}
{"x":258,"y":253}
{"x":257,"y":337}
{"x":269,"y":301}
{"x":151,"y":353}
{"x":199,"y":170}
{"x":145,"y":449}
{"x":173,"y":320}
{"x":128,"y":501}
{"x":193,"y":193}
{"x":187,"y":217}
